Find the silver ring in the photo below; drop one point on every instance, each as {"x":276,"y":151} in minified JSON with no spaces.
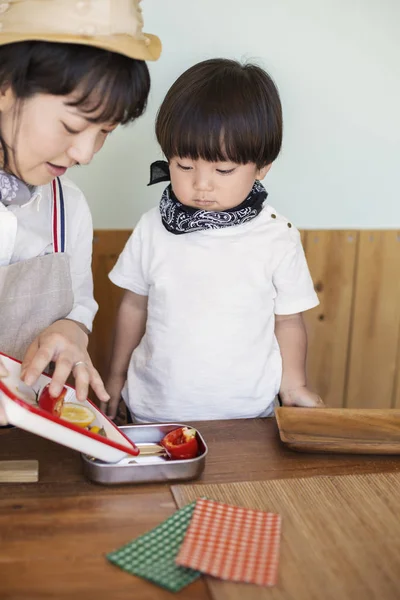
{"x":80,"y":362}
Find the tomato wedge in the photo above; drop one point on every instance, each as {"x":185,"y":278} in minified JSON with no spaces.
{"x":49,"y":403}
{"x":181,"y":443}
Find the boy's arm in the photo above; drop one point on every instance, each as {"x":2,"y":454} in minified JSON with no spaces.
{"x":292,"y":339}
{"x":129,"y":330}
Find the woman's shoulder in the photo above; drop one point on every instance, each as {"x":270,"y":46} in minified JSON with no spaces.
{"x":73,"y":192}
{"x":76,"y":205}
{"x":69,"y":188}
{"x":78,"y":217}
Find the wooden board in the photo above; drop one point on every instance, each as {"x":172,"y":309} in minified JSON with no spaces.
{"x":331,"y":257}
{"x":345,"y":430}
{"x":376,"y":321}
{"x":19,"y":471}
{"x":340,"y":536}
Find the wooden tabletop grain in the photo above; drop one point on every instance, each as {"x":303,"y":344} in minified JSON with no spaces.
{"x":54,"y":534}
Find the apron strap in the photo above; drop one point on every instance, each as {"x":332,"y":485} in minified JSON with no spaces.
{"x":58,"y":216}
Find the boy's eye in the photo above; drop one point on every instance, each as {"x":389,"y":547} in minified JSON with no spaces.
{"x":225,"y":171}
{"x":183,"y":167}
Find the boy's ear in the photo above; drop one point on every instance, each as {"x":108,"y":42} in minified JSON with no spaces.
{"x":261,"y":173}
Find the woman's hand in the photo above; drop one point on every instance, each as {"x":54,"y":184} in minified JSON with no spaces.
{"x":65,"y":344}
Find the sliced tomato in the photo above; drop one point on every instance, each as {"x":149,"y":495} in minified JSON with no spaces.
{"x":51,"y":404}
{"x":181,"y":443}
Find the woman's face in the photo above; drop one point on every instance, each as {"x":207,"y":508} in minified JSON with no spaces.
{"x":45,"y":136}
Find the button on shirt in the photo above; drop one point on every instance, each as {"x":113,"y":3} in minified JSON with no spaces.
{"x":26,"y":232}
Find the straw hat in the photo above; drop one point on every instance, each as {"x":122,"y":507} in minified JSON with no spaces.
{"x":114,"y":25}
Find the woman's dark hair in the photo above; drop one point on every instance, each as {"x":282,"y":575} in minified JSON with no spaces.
{"x":222,"y":110}
{"x":112,"y":87}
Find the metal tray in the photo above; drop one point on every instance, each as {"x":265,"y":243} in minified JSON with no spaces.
{"x":146,"y":469}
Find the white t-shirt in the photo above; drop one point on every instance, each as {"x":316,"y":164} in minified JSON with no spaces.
{"x":209,"y":350}
{"x":26,"y":232}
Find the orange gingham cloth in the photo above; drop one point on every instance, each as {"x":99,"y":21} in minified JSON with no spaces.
{"x":232,"y":543}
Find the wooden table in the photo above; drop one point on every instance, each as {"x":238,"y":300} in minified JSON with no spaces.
{"x":54,"y":534}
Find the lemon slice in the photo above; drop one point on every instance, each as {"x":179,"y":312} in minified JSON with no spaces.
{"x":77,"y":414}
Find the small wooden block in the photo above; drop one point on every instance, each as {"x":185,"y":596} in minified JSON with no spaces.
{"x":19,"y":471}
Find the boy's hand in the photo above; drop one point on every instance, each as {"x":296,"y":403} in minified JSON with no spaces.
{"x":3,"y":420}
{"x":114,"y":386}
{"x":301,"y":396}
{"x":3,"y":370}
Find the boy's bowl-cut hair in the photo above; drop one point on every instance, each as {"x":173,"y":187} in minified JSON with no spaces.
{"x":222,"y":110}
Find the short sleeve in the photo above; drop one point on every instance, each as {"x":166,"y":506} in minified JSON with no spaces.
{"x":292,"y":281}
{"x":128,"y":272}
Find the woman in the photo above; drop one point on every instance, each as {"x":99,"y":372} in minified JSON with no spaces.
{"x":70,"y":73}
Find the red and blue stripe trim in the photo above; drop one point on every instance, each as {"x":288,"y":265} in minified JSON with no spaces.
{"x":59,"y":222}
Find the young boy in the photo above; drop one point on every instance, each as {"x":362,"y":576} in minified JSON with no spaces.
{"x":210,"y":326}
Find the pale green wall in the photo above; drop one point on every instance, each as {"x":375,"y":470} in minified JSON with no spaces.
{"x":337,"y":65}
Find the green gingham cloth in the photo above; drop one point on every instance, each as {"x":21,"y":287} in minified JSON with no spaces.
{"x":152,"y":555}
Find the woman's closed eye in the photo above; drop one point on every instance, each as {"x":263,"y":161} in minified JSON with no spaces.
{"x":70,"y":130}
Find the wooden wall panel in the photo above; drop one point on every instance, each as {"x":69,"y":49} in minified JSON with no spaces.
{"x":376,"y":318}
{"x":107,"y":246}
{"x":331,"y":257}
{"x":354,"y":343}
{"x":396,"y":398}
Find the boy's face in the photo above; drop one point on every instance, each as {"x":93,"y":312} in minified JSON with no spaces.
{"x":212,"y":186}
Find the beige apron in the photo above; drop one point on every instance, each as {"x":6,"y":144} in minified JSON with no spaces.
{"x":37,"y":292}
